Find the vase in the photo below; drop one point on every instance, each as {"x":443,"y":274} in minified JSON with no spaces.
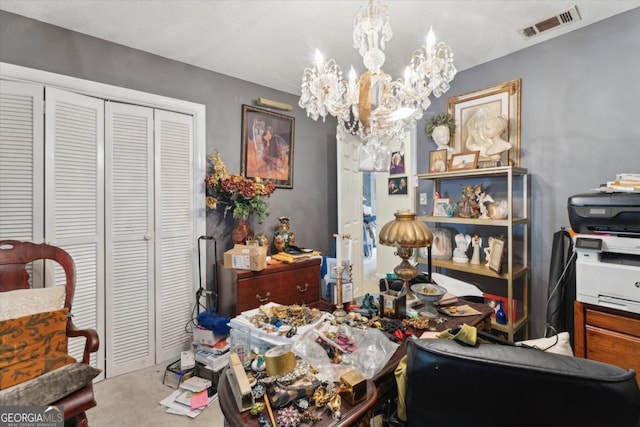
{"x":501,"y":316}
{"x":283,"y":237}
{"x":242,"y":232}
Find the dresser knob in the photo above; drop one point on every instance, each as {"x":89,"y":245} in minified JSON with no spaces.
{"x":306,"y":288}
{"x":265,"y":299}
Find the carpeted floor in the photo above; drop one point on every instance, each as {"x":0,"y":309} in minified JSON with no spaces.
{"x":132,"y":400}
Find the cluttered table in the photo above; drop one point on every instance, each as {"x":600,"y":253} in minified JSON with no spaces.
{"x":379,"y":389}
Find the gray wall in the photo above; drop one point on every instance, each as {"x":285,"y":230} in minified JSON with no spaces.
{"x":580,"y":120}
{"x":311,"y":202}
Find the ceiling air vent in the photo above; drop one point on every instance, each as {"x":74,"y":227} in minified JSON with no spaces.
{"x":560,"y":20}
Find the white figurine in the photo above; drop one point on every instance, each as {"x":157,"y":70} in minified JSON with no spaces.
{"x":462,"y":244}
{"x":498,"y":210}
{"x":487,"y":251}
{"x":477,"y":243}
{"x":482,"y":199}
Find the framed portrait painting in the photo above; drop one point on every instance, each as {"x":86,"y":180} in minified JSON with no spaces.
{"x":397,"y":163}
{"x":398,"y":185}
{"x":267,"y":145}
{"x":438,"y":161}
{"x":488,"y":120}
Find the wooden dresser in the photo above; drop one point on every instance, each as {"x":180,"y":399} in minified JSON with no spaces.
{"x":608,"y":335}
{"x":241,"y":290}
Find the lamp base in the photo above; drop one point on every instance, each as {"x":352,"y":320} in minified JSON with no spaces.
{"x":405,"y":271}
{"x":339,"y":313}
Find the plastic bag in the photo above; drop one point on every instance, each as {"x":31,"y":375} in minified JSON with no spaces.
{"x":307,"y":348}
{"x":373,"y":351}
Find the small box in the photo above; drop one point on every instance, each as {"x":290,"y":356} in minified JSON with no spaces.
{"x":205,"y":336}
{"x":246,"y":257}
{"x":393,"y":305}
{"x":355,"y":385}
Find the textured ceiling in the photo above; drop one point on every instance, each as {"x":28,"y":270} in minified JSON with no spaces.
{"x":271,"y":42}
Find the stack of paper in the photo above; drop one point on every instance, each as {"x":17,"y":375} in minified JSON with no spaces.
{"x":190,"y":399}
{"x":624,"y":182}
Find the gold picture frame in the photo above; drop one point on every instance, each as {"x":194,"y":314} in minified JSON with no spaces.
{"x":469,"y":108}
{"x":438,"y":161}
{"x":496,"y":255}
{"x":463,"y":161}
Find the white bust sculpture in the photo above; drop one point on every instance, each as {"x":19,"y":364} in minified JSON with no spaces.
{"x":441,"y":136}
{"x":484,"y":134}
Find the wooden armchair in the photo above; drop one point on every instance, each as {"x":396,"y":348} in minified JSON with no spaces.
{"x":14,"y":258}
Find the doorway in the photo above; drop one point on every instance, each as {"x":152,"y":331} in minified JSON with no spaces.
{"x":351,"y":184}
{"x":369,"y":232}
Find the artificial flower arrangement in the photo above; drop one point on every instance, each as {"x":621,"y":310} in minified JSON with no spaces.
{"x":243,"y":196}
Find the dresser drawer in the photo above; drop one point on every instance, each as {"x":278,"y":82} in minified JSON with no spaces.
{"x":300,"y":286}
{"x":607,"y":335}
{"x":288,"y":284}
{"x":625,"y":324}
{"x":613,"y":347}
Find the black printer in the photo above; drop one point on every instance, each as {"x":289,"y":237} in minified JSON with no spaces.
{"x":602,"y":212}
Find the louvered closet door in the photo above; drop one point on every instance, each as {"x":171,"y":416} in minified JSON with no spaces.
{"x":129,"y":224}
{"x":175,"y":239}
{"x":21,"y":161}
{"x":74,"y":201}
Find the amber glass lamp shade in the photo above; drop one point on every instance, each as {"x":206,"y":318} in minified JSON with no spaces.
{"x":405,"y":233}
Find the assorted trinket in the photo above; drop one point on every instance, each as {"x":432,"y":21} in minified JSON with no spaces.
{"x":288,"y":417}
{"x":290,"y":317}
{"x":301,"y":369}
{"x":257,"y":409}
{"x":336,"y":338}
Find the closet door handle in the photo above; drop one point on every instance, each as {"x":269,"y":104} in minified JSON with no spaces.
{"x":265,"y":299}
{"x":306,"y":288}
{"x":148,"y":236}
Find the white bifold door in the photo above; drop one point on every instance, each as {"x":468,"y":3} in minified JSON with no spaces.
{"x":112,"y":184}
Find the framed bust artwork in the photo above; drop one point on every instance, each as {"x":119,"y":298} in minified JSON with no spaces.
{"x":488,"y":120}
{"x":267,"y":146}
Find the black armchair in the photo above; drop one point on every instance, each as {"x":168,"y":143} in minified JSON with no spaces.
{"x":452,"y":384}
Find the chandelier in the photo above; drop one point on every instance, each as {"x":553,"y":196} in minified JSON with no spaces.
{"x":373,"y":106}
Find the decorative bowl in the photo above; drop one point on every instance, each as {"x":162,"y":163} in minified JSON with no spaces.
{"x":429,"y":293}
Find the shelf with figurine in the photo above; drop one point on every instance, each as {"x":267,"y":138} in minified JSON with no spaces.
{"x":480,"y":222}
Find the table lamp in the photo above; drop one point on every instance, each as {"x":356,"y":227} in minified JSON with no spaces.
{"x":405,"y":233}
